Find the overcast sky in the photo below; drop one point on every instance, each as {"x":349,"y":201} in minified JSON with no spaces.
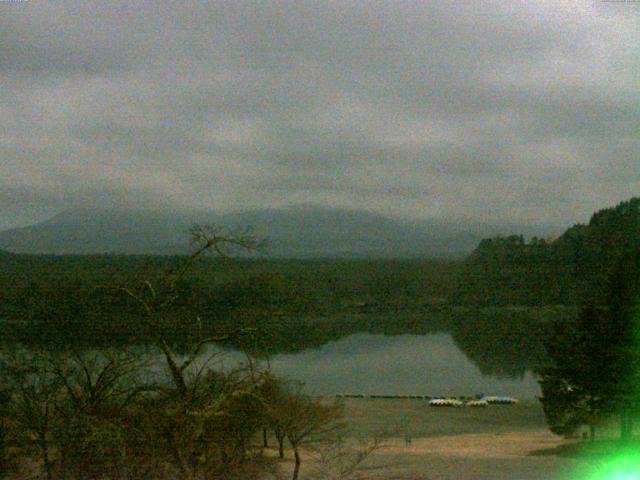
{"x":496,"y":111}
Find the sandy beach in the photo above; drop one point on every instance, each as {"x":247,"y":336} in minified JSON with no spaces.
{"x":471,"y":457}
{"x":497,"y":443}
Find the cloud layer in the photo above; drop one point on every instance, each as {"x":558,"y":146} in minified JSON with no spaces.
{"x":489,"y":111}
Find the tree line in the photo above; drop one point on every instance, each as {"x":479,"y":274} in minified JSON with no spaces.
{"x":57,"y":297}
{"x":563,"y":271}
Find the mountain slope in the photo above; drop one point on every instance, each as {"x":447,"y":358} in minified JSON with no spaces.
{"x":301,"y":231}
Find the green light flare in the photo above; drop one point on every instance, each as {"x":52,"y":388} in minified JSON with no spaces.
{"x":623,"y":465}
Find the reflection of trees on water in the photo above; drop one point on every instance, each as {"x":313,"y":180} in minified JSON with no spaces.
{"x":501,"y":342}
{"x":501,"y":349}
{"x":297,"y":335}
{"x":504,"y":342}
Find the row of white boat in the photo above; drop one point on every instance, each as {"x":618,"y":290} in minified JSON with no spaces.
{"x":443,"y":401}
{"x":478,"y":402}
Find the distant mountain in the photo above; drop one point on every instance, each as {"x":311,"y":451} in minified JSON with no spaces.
{"x":301,"y":231}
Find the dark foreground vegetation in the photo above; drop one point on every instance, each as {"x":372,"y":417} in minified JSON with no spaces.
{"x":104,"y":413}
{"x":594,"y":370}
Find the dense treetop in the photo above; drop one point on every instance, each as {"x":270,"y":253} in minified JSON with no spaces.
{"x":509,"y":270}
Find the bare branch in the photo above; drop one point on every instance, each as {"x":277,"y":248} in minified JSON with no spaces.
{"x":148,"y":309}
{"x":153,"y":292}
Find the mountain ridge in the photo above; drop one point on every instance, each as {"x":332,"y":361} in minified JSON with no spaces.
{"x":297,"y":231}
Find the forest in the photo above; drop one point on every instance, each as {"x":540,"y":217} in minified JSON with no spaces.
{"x":53,"y":298}
{"x":568,"y":270}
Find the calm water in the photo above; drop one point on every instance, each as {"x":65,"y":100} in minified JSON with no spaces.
{"x":401,"y":364}
{"x":418,"y":363}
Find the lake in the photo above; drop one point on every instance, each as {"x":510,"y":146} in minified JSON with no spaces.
{"x":430,"y":364}
{"x":490,"y":351}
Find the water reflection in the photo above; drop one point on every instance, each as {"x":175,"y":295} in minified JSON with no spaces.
{"x":399,"y":365}
{"x":458,"y":351}
{"x":505,"y":343}
{"x":405,"y":364}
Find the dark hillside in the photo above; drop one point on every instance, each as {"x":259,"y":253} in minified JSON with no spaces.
{"x":574,"y":267}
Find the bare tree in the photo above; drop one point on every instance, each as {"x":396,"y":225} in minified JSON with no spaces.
{"x":303,"y":420}
{"x":189,"y":425}
{"x":5,"y":413}
{"x":94,"y":380}
{"x":342,"y":457}
{"x":34,"y":392}
{"x":273,"y":393}
{"x":154,"y":300}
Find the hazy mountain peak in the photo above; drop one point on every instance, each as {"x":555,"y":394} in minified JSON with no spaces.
{"x":301,"y":230}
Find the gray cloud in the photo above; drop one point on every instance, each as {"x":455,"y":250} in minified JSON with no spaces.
{"x":490,"y":111}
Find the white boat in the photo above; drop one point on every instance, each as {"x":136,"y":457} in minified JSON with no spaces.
{"x":477,"y":403}
{"x":445,"y":402}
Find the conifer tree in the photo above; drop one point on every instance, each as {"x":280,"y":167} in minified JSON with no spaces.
{"x":595,"y":360}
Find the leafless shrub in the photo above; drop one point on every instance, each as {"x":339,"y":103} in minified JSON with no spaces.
{"x":343,"y":457}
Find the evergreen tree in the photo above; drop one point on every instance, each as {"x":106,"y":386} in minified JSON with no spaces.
{"x":595,"y":360}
